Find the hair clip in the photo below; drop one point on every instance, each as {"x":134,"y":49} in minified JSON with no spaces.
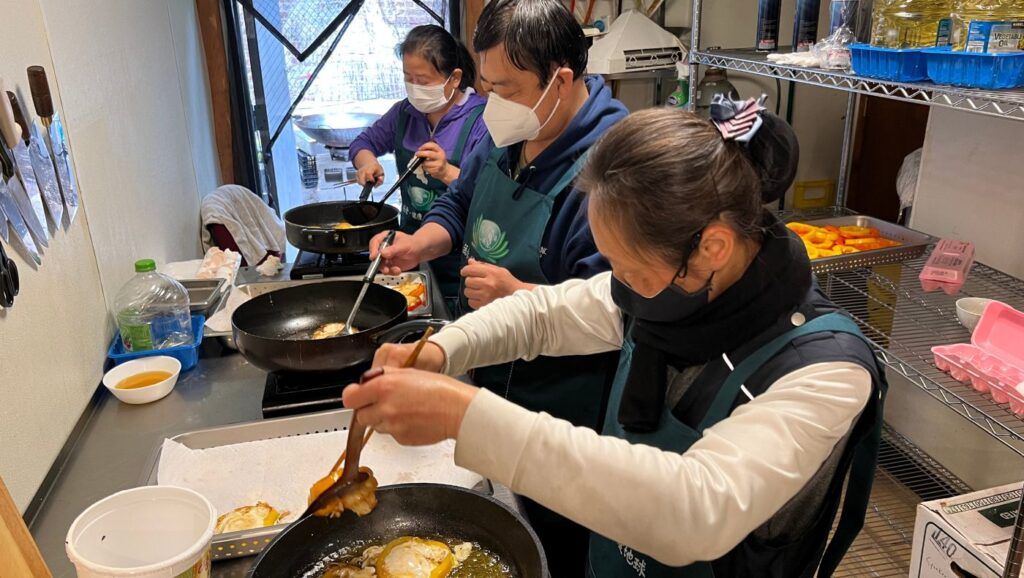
{"x":737,"y":120}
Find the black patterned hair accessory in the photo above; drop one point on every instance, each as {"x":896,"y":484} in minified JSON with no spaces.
{"x":737,"y":120}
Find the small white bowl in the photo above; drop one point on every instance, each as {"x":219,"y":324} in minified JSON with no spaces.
{"x":149,"y":393}
{"x":969,"y":310}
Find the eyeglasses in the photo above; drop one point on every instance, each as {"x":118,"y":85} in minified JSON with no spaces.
{"x":681,"y":272}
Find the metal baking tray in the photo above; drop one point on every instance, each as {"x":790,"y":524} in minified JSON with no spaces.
{"x":252,"y":542}
{"x":203,"y":294}
{"x":914,"y":244}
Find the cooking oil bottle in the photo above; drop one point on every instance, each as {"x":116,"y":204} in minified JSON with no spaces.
{"x":988,"y":25}
{"x":911,"y":23}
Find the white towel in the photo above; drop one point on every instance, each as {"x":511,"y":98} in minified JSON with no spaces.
{"x":253,"y":224}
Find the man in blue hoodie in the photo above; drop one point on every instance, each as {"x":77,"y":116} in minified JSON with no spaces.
{"x":516,"y":219}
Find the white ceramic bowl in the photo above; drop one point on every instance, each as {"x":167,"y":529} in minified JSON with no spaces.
{"x":147,"y":532}
{"x":969,"y":310}
{"x":136,"y":366}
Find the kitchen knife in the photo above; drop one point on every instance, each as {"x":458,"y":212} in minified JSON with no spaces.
{"x":42,"y":166}
{"x":4,"y":164}
{"x":28,"y":171}
{"x":13,"y":215}
{"x":26,"y":192}
{"x":40,"y":88}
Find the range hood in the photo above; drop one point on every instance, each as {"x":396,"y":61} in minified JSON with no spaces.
{"x":634,"y":43}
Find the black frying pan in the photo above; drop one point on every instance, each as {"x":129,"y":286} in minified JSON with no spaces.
{"x":421,"y":510}
{"x":274,"y":331}
{"x":311,"y":227}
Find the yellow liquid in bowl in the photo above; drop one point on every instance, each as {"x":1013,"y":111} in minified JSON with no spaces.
{"x":144,"y":379}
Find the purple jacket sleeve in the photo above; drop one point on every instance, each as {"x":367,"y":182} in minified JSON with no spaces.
{"x":476,"y":135}
{"x":451,"y":209}
{"x":379,"y":138}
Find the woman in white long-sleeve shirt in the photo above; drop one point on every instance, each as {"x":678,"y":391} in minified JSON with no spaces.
{"x":743,"y":400}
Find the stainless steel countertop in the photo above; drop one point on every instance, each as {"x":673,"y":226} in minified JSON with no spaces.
{"x":118,"y":440}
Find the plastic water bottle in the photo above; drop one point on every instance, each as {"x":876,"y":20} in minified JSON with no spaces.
{"x":152,"y":310}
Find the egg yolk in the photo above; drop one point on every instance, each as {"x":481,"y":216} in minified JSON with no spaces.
{"x":409,"y":557}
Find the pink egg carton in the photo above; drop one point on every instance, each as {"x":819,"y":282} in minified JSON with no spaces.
{"x":947,"y":267}
{"x":993,"y":362}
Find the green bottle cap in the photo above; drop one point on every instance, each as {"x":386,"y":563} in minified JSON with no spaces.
{"x":145,"y":266}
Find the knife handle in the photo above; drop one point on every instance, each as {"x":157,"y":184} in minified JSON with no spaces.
{"x":40,"y":88}
{"x":8,"y":128}
{"x":19,"y":116}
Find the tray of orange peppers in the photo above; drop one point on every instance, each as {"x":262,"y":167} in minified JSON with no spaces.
{"x":833,"y":241}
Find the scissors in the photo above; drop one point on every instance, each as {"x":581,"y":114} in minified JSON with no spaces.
{"x":10,"y":284}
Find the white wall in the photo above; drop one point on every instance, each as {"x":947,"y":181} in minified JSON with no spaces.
{"x":130,"y":81}
{"x":972,"y":185}
{"x":817,"y":113}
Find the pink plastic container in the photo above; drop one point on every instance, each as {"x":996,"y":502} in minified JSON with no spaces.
{"x":948,"y":266}
{"x":993,"y":362}
{"x":1000,"y":332}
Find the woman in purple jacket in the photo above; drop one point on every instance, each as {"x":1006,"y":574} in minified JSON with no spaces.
{"x":439,"y":121}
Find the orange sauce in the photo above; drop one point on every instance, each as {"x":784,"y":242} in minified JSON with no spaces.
{"x":144,"y":379}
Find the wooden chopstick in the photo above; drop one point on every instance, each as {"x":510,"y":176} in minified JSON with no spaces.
{"x":411,"y":361}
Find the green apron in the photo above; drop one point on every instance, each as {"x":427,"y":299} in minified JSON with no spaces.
{"x":506,"y":224}
{"x":418,"y":196}
{"x":611,"y":560}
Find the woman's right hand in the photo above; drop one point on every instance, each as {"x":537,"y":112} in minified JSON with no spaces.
{"x":395,"y":355}
{"x":370,"y":173}
{"x":401,"y":255}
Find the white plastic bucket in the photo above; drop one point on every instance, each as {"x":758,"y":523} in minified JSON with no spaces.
{"x":147,"y":532}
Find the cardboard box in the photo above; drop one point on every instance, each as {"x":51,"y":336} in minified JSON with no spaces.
{"x":966,"y":535}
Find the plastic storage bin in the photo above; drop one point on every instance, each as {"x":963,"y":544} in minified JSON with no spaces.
{"x":975,"y":69}
{"x":900,"y":64}
{"x":188,"y":355}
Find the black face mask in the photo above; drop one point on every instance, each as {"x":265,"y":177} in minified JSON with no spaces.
{"x":671,"y":305}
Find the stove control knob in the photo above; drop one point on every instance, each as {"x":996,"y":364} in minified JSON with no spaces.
{"x":309,"y":237}
{"x":337,"y":238}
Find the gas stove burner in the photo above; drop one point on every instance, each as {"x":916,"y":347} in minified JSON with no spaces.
{"x":297,"y":393}
{"x":338,"y":153}
{"x":318,"y":265}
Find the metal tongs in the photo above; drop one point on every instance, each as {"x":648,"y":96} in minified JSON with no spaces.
{"x":371,"y":273}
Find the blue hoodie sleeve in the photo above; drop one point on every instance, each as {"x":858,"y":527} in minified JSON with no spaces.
{"x":451,"y":210}
{"x":578,"y":256}
{"x":379,"y":138}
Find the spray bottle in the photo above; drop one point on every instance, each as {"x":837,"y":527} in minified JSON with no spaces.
{"x":681,"y":96}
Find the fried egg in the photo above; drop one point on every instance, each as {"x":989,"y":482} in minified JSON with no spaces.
{"x":330,"y":330}
{"x":248,"y":517}
{"x":409,"y":557}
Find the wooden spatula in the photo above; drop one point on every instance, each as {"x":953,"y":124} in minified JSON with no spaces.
{"x":350,"y":478}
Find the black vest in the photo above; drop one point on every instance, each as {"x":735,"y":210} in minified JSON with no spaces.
{"x":791,"y":543}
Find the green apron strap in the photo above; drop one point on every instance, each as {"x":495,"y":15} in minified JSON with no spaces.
{"x":857,"y":498}
{"x":403,"y":123}
{"x":570,"y":175}
{"x":721,"y":407}
{"x":467,"y":127}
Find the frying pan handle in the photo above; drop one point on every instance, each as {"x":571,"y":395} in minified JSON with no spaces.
{"x":403,"y":330}
{"x":367,"y":189}
{"x":337,"y":235}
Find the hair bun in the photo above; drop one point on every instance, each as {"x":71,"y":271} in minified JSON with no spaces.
{"x":775,"y":154}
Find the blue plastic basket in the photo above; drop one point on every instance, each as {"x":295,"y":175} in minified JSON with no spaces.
{"x":188,"y":355}
{"x":975,"y":69}
{"x":899,"y":64}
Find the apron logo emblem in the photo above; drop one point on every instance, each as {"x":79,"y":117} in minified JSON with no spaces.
{"x":421,"y":199}
{"x":489,"y":240}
